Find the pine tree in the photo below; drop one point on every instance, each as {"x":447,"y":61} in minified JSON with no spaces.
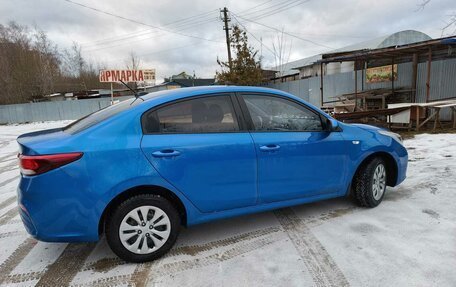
{"x":246,"y":69}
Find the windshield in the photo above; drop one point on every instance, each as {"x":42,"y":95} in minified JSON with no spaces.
{"x":99,"y":116}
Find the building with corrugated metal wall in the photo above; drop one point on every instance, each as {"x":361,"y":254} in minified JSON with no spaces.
{"x":339,"y":81}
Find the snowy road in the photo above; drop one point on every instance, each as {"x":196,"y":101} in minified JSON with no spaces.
{"x":409,"y":240}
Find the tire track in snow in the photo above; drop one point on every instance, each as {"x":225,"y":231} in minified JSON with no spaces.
{"x":4,"y":143}
{"x":10,"y":234}
{"x":107,"y":264}
{"x":144,"y":272}
{"x":13,"y":221}
{"x":12,"y":165}
{"x":5,"y":182}
{"x":243,"y":243}
{"x":319,"y":263}
{"x":8,"y":157}
{"x":63,"y":270}
{"x":14,"y":259}
{"x":7,"y":202}
{"x":23,"y":277}
{"x":8,"y":215}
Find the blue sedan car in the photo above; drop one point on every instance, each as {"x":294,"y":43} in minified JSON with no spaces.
{"x":138,"y":170}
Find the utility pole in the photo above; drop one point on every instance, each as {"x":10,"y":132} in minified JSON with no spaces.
{"x":227,"y":33}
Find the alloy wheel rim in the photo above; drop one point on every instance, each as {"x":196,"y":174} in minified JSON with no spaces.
{"x":379,"y":182}
{"x":144,"y":229}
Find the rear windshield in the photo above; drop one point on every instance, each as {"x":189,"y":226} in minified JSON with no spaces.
{"x":99,"y":116}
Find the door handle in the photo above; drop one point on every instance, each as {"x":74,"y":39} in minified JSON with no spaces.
{"x":166,"y":153}
{"x":269,"y":147}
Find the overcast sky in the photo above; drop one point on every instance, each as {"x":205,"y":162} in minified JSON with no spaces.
{"x":198,"y":41}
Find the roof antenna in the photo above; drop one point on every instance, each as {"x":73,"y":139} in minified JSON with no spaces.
{"x":137,"y":95}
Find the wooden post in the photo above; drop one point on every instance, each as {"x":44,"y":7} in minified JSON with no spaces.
{"x":363,"y":75}
{"x":392,"y":77}
{"x":436,"y":118}
{"x":414,"y":77}
{"x":112,"y":95}
{"x":428,"y":80}
{"x":227,"y":36}
{"x":410,"y":125}
{"x":356,"y":85}
{"x":321,"y":83}
{"x":454,"y":117}
{"x":417,"y":118}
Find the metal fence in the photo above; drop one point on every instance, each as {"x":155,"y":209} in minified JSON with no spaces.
{"x":52,"y":111}
{"x":443,"y":85}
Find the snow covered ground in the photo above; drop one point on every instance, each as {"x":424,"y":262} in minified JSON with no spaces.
{"x":409,"y":240}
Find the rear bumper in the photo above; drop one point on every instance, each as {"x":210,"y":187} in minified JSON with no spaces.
{"x":27,"y":220}
{"x":53,"y":209}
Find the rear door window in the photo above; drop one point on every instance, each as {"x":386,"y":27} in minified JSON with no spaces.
{"x":99,"y":116}
{"x":213,"y":114}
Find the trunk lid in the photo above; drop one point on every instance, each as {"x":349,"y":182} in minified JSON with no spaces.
{"x":41,"y":142}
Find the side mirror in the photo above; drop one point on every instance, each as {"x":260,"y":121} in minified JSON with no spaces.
{"x":333,"y":125}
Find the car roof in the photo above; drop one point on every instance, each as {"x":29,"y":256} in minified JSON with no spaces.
{"x":192,"y":91}
{"x":160,"y":97}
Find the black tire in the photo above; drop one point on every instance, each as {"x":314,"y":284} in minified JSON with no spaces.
{"x":363,"y":191}
{"x":115,"y":218}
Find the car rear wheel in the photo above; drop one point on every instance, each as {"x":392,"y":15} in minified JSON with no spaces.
{"x":370,"y":183}
{"x":142,"y":228}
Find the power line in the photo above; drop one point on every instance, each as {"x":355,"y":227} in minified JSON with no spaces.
{"x":259,"y":41}
{"x":153,"y":34}
{"x":259,"y":5}
{"x":181,"y":22}
{"x":187,"y":22}
{"x":191,"y":17}
{"x":319,"y":35}
{"x":280,"y":9}
{"x":156,"y":52}
{"x":136,"y":21}
{"x":129,"y":42}
{"x":134,"y":41}
{"x":273,"y":9}
{"x":265,"y":10}
{"x":278,"y":30}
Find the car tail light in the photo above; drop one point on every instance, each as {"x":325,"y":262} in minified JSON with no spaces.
{"x":38,"y":164}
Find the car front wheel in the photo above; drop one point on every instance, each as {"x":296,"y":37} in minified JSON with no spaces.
{"x":142,"y":228}
{"x":370,"y":183}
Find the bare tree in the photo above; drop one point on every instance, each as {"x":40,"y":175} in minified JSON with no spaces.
{"x":133,"y":63}
{"x":450,"y":27}
{"x":48,"y":62}
{"x":73,"y":64}
{"x":450,"y":24}
{"x":282,"y":52}
{"x":31,"y":66}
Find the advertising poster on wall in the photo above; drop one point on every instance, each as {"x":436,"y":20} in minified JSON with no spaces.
{"x":381,"y":74}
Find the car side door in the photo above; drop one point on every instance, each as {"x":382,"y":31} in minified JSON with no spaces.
{"x":297,"y":156}
{"x":200,"y":146}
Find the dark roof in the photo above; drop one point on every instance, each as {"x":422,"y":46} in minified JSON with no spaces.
{"x":192,"y":82}
{"x":439,"y":46}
